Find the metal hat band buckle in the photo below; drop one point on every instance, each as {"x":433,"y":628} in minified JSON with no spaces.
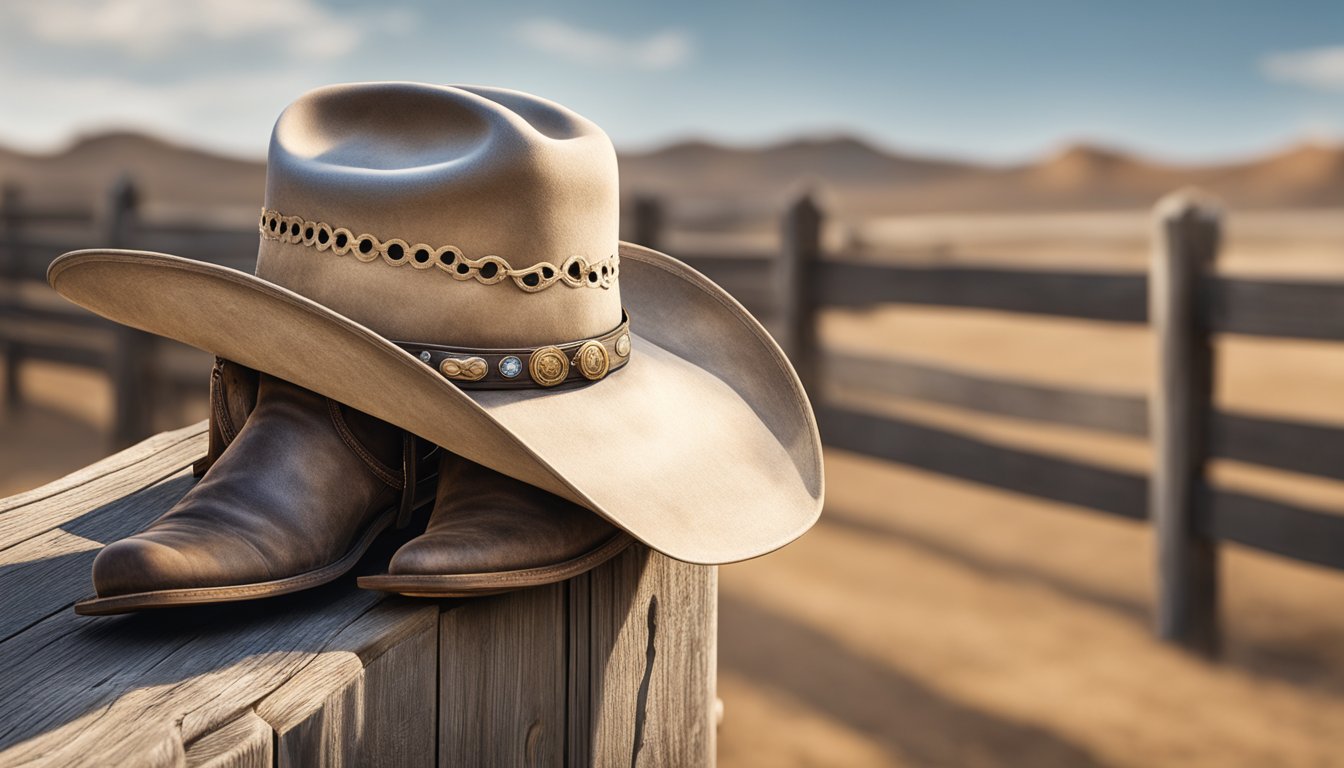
{"x":553,"y":365}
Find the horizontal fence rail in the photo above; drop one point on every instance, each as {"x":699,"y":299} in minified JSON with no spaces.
{"x":1309,"y":535}
{"x":1067,"y":481}
{"x":1277,"y":308}
{"x":1312,"y":536}
{"x":1117,"y":298}
{"x":1308,"y":448}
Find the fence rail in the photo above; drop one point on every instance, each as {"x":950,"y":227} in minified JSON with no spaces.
{"x":1184,"y":301}
{"x":1182,"y":298}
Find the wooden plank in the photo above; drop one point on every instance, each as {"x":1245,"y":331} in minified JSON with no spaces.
{"x":1104,"y":411}
{"x":798,"y":277}
{"x":502,"y":668}
{"x":28,"y":514}
{"x":649,"y":696}
{"x":1308,"y":535}
{"x":58,"y":215}
{"x":169,"y":688}
{"x":243,"y":743}
{"x":66,"y":316}
{"x":71,"y":355}
{"x":50,"y":571}
{"x":755,"y":265}
{"x":579,"y":728}
{"x":1185,"y":245}
{"x":132,"y":365}
{"x":372,"y":706}
{"x":134,"y":689}
{"x":1111,"y":491}
{"x":1314,"y":449}
{"x":1300,"y":310}
{"x":1111,"y":297}
{"x":749,"y":279}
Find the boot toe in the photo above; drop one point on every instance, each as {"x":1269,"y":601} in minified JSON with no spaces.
{"x":477,"y":550}
{"x":140,"y":565}
{"x":430,"y":555}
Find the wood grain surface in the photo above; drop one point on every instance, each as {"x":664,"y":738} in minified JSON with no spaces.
{"x":613,"y":668}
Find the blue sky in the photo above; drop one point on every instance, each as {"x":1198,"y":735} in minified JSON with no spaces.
{"x":997,"y":81}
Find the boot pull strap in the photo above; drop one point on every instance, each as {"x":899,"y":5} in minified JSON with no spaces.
{"x":409,"y":460}
{"x":379,"y":469}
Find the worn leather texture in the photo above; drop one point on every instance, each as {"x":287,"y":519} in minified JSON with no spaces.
{"x":302,"y":480}
{"x":233,"y":395}
{"x":703,"y":446}
{"x":485,"y":522}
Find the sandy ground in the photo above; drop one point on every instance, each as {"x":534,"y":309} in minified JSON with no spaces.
{"x":931,"y":622}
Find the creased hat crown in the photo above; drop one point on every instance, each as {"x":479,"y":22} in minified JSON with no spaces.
{"x":457,"y":215}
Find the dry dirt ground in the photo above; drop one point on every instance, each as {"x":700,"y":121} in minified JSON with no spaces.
{"x":932,"y":622}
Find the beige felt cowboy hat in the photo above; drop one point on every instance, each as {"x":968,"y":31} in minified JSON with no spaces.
{"x":446,"y":258}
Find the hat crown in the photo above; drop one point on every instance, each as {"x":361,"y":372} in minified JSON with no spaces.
{"x":457,"y":215}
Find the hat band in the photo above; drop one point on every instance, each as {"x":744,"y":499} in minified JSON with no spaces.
{"x":574,"y":362}
{"x":575,"y":272}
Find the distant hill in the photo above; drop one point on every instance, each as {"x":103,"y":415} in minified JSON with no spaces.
{"x":720,"y":171}
{"x":170,"y":175}
{"x":861,"y":178}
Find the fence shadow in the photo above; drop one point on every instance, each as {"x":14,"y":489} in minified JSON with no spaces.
{"x":914,"y":723}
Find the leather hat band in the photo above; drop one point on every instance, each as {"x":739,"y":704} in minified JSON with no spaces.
{"x":574,"y":362}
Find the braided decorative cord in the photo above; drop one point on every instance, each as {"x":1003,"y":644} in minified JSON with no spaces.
{"x":576,"y":271}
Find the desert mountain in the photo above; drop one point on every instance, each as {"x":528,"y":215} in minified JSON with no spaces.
{"x":168,"y":174}
{"x":859,"y":177}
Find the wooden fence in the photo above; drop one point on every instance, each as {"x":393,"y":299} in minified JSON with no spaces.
{"x":1181,"y":297}
{"x":1185,"y":303}
{"x":35,"y":324}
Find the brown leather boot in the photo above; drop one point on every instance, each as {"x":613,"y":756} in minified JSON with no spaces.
{"x":490,"y":533}
{"x":233,"y":395}
{"x":291,"y":503}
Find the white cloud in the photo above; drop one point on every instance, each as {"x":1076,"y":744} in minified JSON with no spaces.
{"x":1314,"y":67}
{"x":149,"y":29}
{"x":667,"y":49}
{"x":233,"y":112}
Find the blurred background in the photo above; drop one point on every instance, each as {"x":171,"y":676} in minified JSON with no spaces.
{"x":946,"y":213}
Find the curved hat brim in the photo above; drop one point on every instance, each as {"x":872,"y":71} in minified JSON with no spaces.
{"x":703,"y":446}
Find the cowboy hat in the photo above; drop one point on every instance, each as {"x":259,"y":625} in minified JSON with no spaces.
{"x":446,"y":259}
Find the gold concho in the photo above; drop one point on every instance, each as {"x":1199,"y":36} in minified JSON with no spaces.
{"x":623,"y":345}
{"x":464,"y":368}
{"x":592,"y":360}
{"x":548,"y":366}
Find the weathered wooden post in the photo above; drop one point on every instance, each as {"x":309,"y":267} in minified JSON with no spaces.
{"x":11,"y":262}
{"x":799,"y":273}
{"x":648,"y":227}
{"x":613,"y":667}
{"x":1185,"y":245}
{"x":132,"y":364}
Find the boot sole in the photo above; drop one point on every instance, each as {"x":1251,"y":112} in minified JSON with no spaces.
{"x":496,"y":582}
{"x":170,"y":598}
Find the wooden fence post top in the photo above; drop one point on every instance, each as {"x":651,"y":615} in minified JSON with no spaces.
{"x":806,"y":203}
{"x":1188,"y":203}
{"x":124,"y":192}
